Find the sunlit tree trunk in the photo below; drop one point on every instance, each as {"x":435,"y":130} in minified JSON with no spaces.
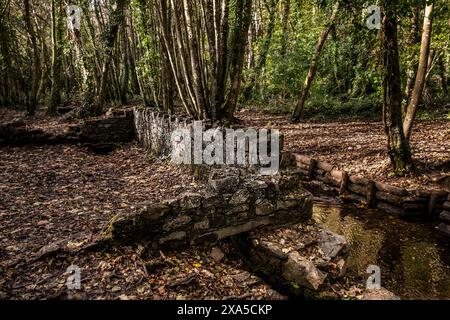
{"x":421,"y":72}
{"x":413,"y":39}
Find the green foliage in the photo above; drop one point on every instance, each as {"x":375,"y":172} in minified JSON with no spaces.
{"x":348,"y":78}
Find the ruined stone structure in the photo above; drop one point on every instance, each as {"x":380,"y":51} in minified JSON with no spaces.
{"x":230,"y":204}
{"x":115,"y":127}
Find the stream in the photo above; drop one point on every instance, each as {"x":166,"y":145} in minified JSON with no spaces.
{"x":414,"y":258}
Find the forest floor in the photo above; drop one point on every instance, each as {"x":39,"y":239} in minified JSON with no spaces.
{"x":359,"y":147}
{"x":62,"y":193}
{"x":65,"y":194}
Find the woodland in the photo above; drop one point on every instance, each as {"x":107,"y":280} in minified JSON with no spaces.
{"x":359,"y":86}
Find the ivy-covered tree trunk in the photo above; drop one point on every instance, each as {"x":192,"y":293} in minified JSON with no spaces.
{"x":398,"y":146}
{"x":36,"y":68}
{"x":244,"y":15}
{"x":108,"y":40}
{"x":57,"y":30}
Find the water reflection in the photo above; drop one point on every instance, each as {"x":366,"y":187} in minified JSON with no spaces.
{"x":414,"y":259}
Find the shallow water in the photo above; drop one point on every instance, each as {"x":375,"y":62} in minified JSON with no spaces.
{"x":414,"y":259}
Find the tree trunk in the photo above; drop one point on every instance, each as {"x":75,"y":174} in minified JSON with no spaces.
{"x":57,"y":29}
{"x":299,"y":109}
{"x":398,"y":147}
{"x":109,"y":39}
{"x":421,"y":72}
{"x":238,"y":54}
{"x":412,"y":41}
{"x":36,"y":70}
{"x":271,"y":9}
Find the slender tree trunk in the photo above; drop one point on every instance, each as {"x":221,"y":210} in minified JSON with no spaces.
{"x":443,"y":75}
{"x":36,"y":69}
{"x":110,"y":36}
{"x":271,"y":9}
{"x":7,"y":88}
{"x":285,"y":25}
{"x":197,"y":77}
{"x":286,"y":11}
{"x":398,"y":146}
{"x":238,"y":54}
{"x":124,"y":66}
{"x":299,"y":109}
{"x":56,"y":17}
{"x":412,"y":41}
{"x":421,"y":72}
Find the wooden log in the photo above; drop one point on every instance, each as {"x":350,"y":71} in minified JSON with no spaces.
{"x":344,"y":182}
{"x":390,"y":208}
{"x":328,"y":180}
{"x":320,"y":172}
{"x":371,"y":199}
{"x":303,"y":166}
{"x":415,"y":206}
{"x":415,"y":200}
{"x":420,"y":193}
{"x":444,"y":228}
{"x":432,"y":205}
{"x":391,"y":189}
{"x":312,"y":169}
{"x":440,"y":193}
{"x":359,"y":180}
{"x":353,"y":197}
{"x":445,"y":215}
{"x":303,"y":172}
{"x":389,"y":198}
{"x":302,"y":159}
{"x":446,"y":206}
{"x":337,"y":174}
{"x":325,"y":166}
{"x":331,"y":181}
{"x":358,"y":189}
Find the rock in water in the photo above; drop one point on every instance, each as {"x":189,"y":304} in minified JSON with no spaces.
{"x":301,"y":271}
{"x":331,"y":244}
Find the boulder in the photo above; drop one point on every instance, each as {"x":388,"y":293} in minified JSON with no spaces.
{"x":331,"y":244}
{"x":380,"y":294}
{"x":303,"y":272}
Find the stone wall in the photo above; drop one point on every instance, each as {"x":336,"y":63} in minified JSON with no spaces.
{"x":229,"y":204}
{"x":154,"y":130}
{"x":115,"y":127}
{"x":18,"y":133}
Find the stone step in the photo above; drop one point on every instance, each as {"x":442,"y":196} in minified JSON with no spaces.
{"x":445,"y":216}
{"x":444,"y":228}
